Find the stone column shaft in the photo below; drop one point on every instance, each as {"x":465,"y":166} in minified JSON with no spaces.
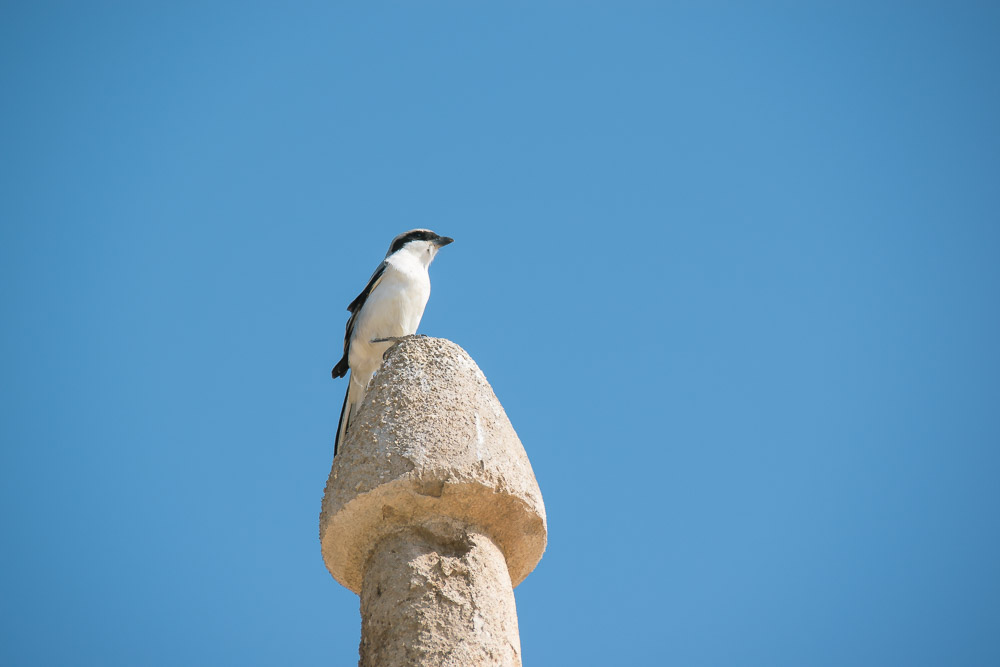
{"x":438,"y":597}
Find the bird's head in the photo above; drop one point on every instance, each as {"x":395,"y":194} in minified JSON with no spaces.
{"x":421,"y":243}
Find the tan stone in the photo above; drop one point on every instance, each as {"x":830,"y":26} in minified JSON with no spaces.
{"x":432,"y":501}
{"x":438,"y":597}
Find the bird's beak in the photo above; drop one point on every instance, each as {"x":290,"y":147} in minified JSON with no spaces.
{"x":442,"y":241}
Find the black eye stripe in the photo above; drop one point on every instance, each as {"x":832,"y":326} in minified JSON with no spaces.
{"x":415,"y":235}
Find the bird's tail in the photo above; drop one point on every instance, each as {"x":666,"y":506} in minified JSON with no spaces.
{"x":352,"y":400}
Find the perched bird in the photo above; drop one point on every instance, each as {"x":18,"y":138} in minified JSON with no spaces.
{"x":389,"y":308}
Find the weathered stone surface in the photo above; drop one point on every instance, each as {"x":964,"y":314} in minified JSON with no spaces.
{"x":431,"y":441}
{"x":438,"y":595}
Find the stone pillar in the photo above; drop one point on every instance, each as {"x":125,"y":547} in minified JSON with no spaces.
{"x":432,"y":514}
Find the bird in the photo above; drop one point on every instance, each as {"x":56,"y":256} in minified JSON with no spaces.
{"x":388,"y":309}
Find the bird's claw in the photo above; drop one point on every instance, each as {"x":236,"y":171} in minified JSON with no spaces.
{"x":395,"y":340}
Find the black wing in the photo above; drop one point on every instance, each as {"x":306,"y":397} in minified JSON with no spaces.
{"x":340,"y":370}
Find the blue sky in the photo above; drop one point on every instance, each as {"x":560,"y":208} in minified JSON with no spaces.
{"x":733,"y":269}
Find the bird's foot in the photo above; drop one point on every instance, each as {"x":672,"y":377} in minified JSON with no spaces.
{"x":395,"y":340}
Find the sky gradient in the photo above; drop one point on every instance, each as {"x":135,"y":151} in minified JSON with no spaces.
{"x":733,"y":270}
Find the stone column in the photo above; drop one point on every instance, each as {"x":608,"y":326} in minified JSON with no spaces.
{"x":432,"y":514}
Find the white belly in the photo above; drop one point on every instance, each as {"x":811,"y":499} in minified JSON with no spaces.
{"x":393,"y":309}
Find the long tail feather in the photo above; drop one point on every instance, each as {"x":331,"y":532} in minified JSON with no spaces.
{"x":342,"y":424}
{"x":352,"y":401}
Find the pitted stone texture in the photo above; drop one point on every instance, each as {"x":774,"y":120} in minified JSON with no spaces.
{"x":430,"y":440}
{"x":438,"y":596}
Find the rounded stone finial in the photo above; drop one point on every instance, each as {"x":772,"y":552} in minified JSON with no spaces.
{"x":431,"y":445}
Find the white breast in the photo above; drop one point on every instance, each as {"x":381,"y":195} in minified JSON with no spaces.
{"x":393,"y":308}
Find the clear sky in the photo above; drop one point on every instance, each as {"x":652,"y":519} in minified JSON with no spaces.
{"x":733,"y":269}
